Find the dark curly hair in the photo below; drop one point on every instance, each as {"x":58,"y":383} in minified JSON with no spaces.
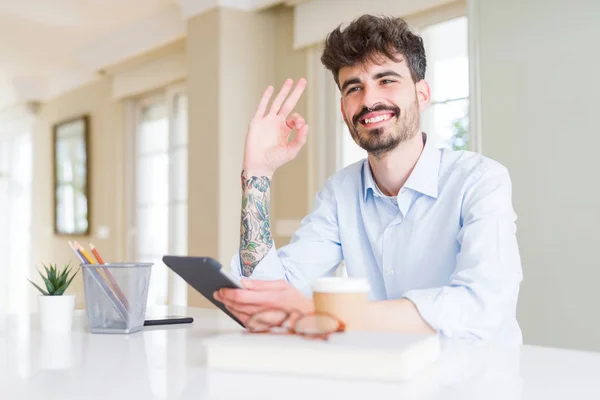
{"x":374,"y":39}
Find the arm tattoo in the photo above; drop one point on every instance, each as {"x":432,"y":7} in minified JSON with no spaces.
{"x":255,"y":227}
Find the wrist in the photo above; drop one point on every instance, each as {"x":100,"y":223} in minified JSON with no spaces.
{"x":249,"y":171}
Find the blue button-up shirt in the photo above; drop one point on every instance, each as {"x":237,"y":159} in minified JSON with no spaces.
{"x":447,"y":242}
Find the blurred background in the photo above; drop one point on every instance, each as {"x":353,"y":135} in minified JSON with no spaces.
{"x":122,"y":123}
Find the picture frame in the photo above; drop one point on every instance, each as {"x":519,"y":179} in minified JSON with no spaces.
{"x":71,"y":172}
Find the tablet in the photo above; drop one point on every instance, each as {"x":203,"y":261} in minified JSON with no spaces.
{"x":205,"y":275}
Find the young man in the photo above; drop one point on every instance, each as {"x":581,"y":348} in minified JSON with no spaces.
{"x":432,"y":230}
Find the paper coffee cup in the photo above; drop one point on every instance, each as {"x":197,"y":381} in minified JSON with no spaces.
{"x":344,"y":298}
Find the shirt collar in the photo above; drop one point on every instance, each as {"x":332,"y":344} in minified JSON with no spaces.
{"x":424,"y":177}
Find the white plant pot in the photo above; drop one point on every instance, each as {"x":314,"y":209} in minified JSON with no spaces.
{"x":56,"y":313}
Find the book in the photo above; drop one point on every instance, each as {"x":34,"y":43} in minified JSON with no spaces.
{"x":380,"y":356}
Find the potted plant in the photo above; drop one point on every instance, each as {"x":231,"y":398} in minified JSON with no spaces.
{"x":56,"y":308}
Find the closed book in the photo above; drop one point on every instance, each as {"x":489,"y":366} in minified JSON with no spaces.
{"x":382,"y":356}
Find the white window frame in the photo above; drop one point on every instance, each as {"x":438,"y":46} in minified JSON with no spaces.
{"x":177,"y":288}
{"x":322,"y":118}
{"x":17,"y":123}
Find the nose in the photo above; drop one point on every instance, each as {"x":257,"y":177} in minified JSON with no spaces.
{"x":370,"y":97}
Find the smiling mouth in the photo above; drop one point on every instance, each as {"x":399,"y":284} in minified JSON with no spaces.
{"x":376,"y":120}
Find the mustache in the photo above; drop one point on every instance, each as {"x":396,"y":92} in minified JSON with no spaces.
{"x":379,"y":107}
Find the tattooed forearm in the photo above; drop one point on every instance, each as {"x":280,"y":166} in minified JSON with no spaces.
{"x":255,"y":227}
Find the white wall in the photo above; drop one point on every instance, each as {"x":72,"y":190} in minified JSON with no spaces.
{"x":540,"y":102}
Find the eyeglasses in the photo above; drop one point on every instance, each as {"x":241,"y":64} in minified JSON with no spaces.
{"x":317,"y":325}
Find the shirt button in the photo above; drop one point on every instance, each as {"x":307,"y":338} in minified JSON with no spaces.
{"x":390,"y":272}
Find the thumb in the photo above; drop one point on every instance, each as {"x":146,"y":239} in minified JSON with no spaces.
{"x":296,"y":145}
{"x":295,"y":121}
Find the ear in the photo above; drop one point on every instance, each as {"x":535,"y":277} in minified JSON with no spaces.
{"x":423,"y":94}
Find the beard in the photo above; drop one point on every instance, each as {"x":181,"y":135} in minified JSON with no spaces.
{"x":379,"y":141}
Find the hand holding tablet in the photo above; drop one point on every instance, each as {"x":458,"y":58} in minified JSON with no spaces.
{"x":206,"y":276}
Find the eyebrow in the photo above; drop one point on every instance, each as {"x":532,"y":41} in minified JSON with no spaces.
{"x":349,"y":82}
{"x":386,"y":73}
{"x":378,"y":75}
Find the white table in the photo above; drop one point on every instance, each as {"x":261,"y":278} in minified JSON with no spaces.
{"x":168,"y":363}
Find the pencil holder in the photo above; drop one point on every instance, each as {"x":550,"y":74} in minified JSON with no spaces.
{"x":116,"y":295}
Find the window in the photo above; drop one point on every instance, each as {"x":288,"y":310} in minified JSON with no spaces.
{"x":447,"y":117}
{"x":15,"y":213}
{"x":446,"y":46}
{"x":71,"y":177}
{"x":349,"y":151}
{"x":160,"y":190}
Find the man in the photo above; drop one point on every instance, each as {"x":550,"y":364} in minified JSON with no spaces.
{"x":432,"y":230}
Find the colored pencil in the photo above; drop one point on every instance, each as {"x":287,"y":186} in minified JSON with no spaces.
{"x":101,"y":280}
{"x":96,"y":254}
{"x":108,"y":276}
{"x":113,"y":282}
{"x":78,"y":254}
{"x":85,"y":254}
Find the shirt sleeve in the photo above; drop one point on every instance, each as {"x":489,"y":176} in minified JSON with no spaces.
{"x":483,"y":289}
{"x":313,"y":251}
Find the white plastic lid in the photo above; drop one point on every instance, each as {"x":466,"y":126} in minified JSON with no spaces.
{"x":340,"y":285}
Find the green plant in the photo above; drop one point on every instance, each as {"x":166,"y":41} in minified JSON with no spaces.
{"x":56,"y":281}
{"x":460,"y":140}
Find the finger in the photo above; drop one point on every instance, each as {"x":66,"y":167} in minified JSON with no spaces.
{"x":262,"y":105}
{"x":245,"y":309}
{"x":218,"y":297}
{"x":296,"y":145}
{"x":291,"y":101}
{"x":223,"y":300}
{"x":295,"y":121}
{"x":232,"y":304}
{"x":242,"y":311}
{"x":239,"y":315}
{"x":255,"y":297}
{"x":294,"y":315}
{"x":249,"y":309}
{"x":285,"y":89}
{"x":265,"y":285}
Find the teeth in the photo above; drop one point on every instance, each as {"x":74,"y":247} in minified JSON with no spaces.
{"x":379,"y":118}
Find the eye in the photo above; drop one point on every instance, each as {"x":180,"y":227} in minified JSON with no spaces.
{"x":386,"y":81}
{"x":352,"y":89}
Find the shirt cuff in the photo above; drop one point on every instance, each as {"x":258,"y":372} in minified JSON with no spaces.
{"x":424,"y":300}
